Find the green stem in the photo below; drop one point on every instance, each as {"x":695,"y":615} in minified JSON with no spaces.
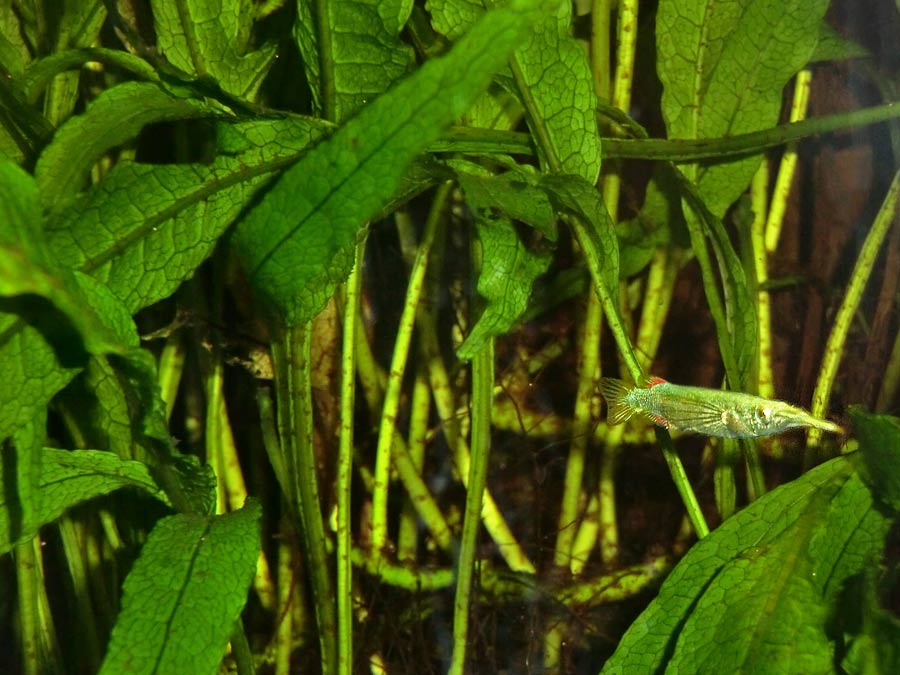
{"x":391,"y":406}
{"x":834,"y":348}
{"x":765,"y":385}
{"x":240,"y":649}
{"x":786,"y":171}
{"x":345,"y":466}
{"x":891,"y":382}
{"x":290,"y":353}
{"x":420,"y":409}
{"x":482,"y":402}
{"x":588,"y":367}
{"x":463,"y":139}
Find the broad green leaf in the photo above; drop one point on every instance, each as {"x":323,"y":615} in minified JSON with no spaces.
{"x":495,"y":108}
{"x":452,"y":18}
{"x":757,"y":594}
{"x":31,"y":370}
{"x":14,"y":54}
{"x":508,"y":271}
{"x":297,"y":244}
{"x":68,"y":478}
{"x":39,"y":349}
{"x":116,"y":116}
{"x":833,"y":46}
{"x":362,"y":56}
{"x":21,"y":497}
{"x":145,"y":228}
{"x":556,"y":86}
{"x":27,"y":267}
{"x":184,"y":594}
{"x":513,"y":193}
{"x":554,"y":81}
{"x":879,"y":445}
{"x":723,"y":65}
{"x":213,"y":38}
{"x":575,"y":196}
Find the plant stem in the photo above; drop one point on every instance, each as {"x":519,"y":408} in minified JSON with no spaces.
{"x":462,"y":139}
{"x":834,"y":348}
{"x":788,"y":166}
{"x":482,"y":402}
{"x":290,"y":354}
{"x":387,"y":429}
{"x":759,"y":190}
{"x":344,"y":573}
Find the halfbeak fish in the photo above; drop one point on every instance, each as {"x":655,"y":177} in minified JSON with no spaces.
{"x":713,"y":412}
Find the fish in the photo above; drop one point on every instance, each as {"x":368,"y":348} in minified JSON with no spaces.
{"x":713,"y":412}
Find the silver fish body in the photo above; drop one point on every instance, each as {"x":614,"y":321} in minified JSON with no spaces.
{"x":712,"y":412}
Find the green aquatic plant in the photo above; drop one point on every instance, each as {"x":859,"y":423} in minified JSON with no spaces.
{"x":304,"y":308}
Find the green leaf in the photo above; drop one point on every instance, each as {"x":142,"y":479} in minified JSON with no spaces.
{"x":21,"y":497}
{"x":31,"y":370}
{"x":39,"y":352}
{"x":27,"y":267}
{"x":116,"y":116}
{"x":213,"y":38}
{"x":452,"y":18}
{"x":145,"y":228}
{"x":67,"y":478}
{"x":14,"y":54}
{"x":757,"y":594}
{"x":879,"y":444}
{"x":723,"y":65}
{"x":297,"y":244}
{"x":362,"y":56}
{"x":557,"y":89}
{"x":832,"y":46}
{"x":95,"y":322}
{"x":508,"y":271}
{"x":185,"y":593}
{"x":576,"y":197}
{"x":513,"y":193}
{"x":554,"y":81}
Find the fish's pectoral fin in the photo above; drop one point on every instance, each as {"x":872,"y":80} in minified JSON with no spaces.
{"x":615,"y":391}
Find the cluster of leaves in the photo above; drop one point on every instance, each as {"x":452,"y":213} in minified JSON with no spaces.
{"x":92,"y":235}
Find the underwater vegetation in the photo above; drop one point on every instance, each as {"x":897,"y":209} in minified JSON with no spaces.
{"x":319,"y":323}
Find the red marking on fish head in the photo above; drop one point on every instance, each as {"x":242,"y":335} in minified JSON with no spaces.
{"x":653,"y":380}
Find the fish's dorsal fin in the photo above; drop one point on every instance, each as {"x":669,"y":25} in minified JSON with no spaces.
{"x":615,"y":391}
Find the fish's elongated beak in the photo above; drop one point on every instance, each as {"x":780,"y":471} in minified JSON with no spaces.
{"x":799,"y":417}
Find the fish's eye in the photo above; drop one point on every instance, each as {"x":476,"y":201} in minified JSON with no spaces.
{"x":765,"y":413}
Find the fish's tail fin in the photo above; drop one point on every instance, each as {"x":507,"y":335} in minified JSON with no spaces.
{"x":615,"y":392}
